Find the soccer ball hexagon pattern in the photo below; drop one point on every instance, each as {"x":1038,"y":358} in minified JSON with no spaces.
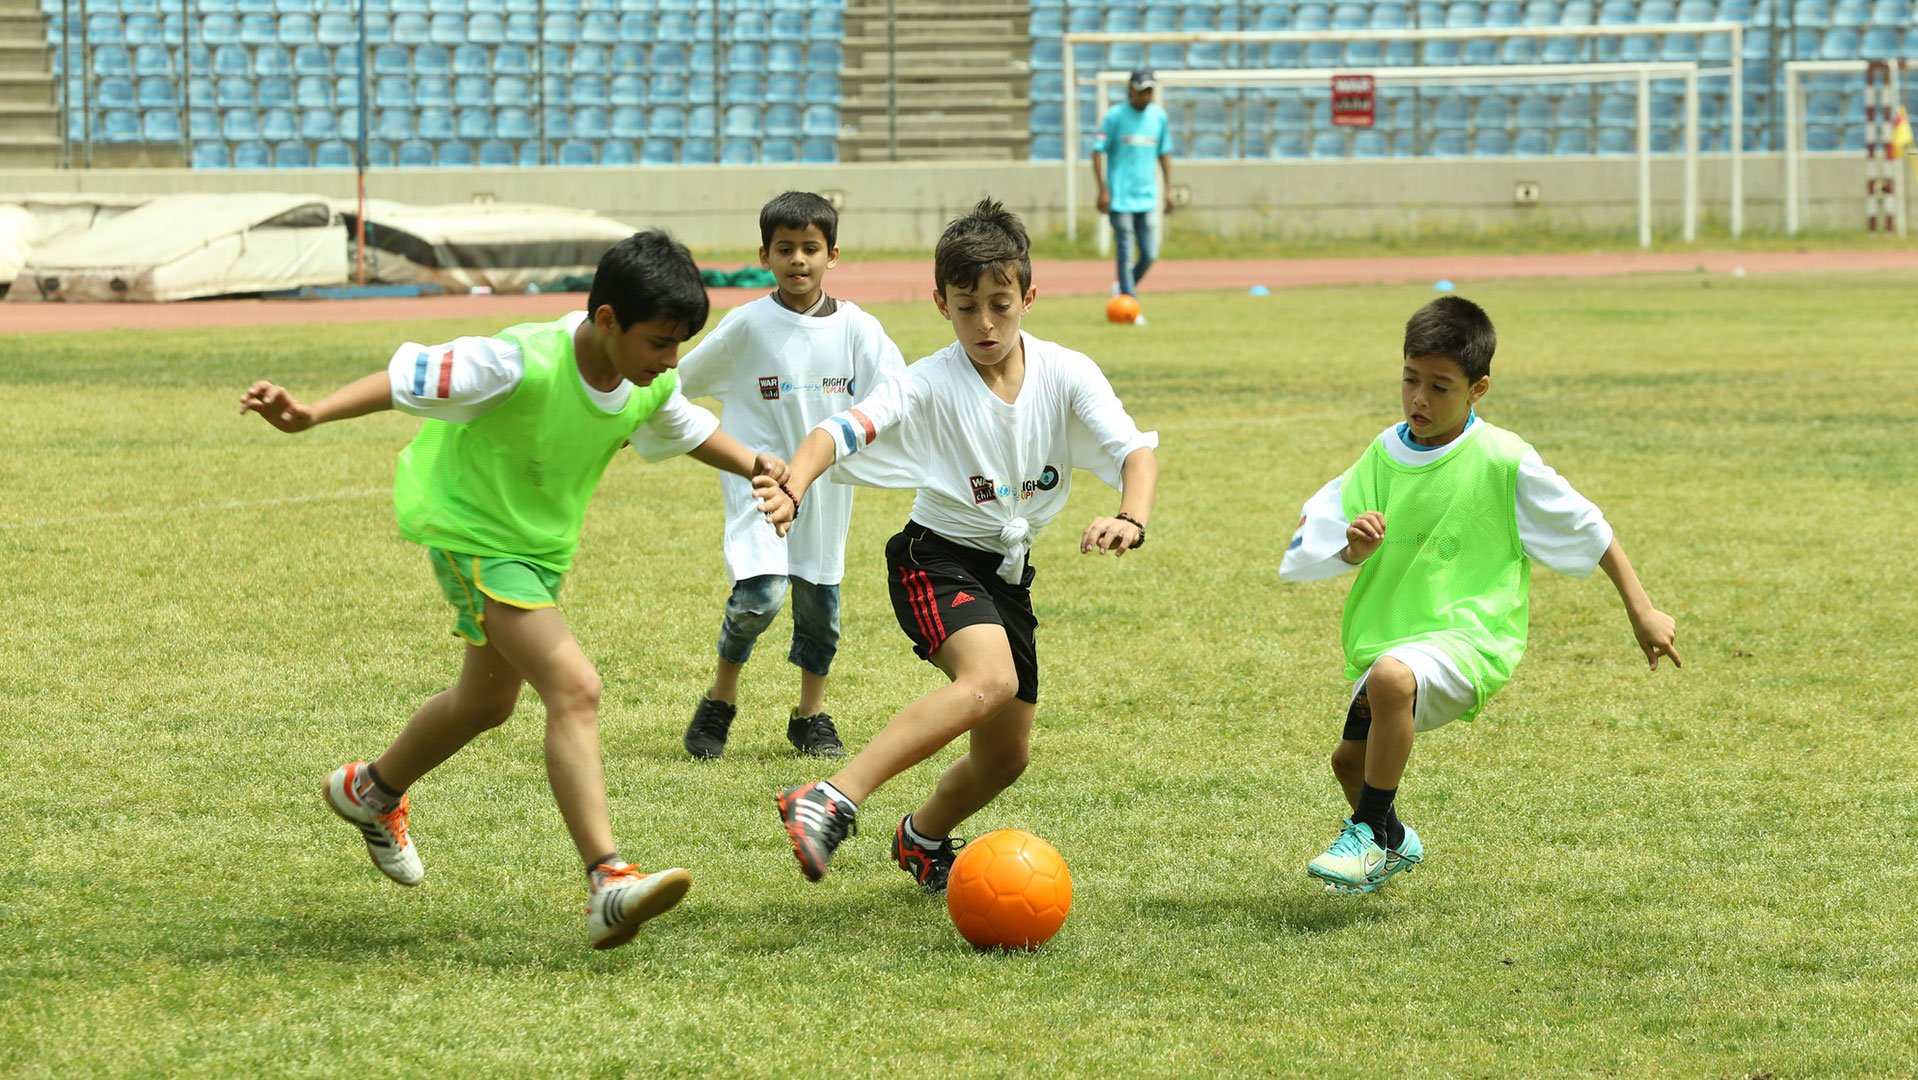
{"x":1009,"y":890}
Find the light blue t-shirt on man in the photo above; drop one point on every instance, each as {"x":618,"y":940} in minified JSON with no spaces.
{"x":1132,"y":140}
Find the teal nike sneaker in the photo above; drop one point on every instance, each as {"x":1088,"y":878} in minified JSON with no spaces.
{"x":1354,"y":861}
{"x":1409,"y":853}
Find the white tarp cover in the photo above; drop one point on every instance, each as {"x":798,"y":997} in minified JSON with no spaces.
{"x":31,"y":221}
{"x":176,"y":247}
{"x":501,"y":246}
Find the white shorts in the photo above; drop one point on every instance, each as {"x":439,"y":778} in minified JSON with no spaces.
{"x":1444,"y":693}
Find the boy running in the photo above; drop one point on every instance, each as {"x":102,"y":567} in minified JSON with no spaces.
{"x":779,"y":365}
{"x":519,"y":428}
{"x":987,"y":431}
{"x":1445,"y":513}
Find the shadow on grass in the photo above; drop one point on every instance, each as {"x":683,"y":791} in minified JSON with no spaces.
{"x":1290,"y":910}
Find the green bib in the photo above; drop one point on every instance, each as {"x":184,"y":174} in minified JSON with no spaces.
{"x":1451,"y":573}
{"x":514,"y":482}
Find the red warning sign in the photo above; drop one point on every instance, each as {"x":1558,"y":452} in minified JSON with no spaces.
{"x":1354,"y":101}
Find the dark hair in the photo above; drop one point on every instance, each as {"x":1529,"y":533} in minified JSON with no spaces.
{"x":990,"y":238}
{"x":1457,"y":329}
{"x":796,"y":210}
{"x":647,"y":275}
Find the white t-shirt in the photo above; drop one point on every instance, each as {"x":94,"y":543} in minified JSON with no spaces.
{"x":462,"y":379}
{"x":778,"y":373}
{"x":1558,"y":527}
{"x":989,"y":474}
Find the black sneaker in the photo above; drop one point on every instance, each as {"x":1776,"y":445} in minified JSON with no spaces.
{"x":930,"y":866}
{"x":814,"y":735}
{"x":706,"y":735}
{"x":816,"y":823}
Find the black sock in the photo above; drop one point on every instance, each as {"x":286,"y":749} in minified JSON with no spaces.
{"x":611,"y":858}
{"x":1395,"y":832}
{"x":373,"y":774}
{"x":1375,"y":809}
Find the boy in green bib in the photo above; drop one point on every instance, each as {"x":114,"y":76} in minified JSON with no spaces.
{"x":1444,"y":514}
{"x":519,"y":428}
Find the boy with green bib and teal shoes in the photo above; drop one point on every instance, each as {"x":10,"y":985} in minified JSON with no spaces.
{"x":519,"y":428}
{"x":1444,"y":514}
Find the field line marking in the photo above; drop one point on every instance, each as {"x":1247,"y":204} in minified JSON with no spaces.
{"x":197,"y":508}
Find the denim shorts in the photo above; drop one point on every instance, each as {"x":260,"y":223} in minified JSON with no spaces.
{"x":755,"y":602}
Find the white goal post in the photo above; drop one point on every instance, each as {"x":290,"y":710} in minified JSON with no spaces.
{"x":1644,"y":74}
{"x":1732,"y":69}
{"x":1795,"y":71}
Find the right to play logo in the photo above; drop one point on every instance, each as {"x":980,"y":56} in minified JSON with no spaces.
{"x":984,"y":490}
{"x":769,"y":387}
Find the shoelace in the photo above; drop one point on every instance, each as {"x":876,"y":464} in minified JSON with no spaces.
{"x":1349,"y":841}
{"x":712,"y":723}
{"x":607,"y":875}
{"x":821,"y":725}
{"x":395,"y":822}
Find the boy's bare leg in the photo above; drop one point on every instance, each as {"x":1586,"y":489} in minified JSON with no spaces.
{"x":812,"y":693}
{"x":997,"y":754}
{"x":726,"y":682}
{"x":979,"y":661}
{"x":538,"y":644}
{"x":1392,"y":689}
{"x":482,"y":699}
{"x":1348,"y":764}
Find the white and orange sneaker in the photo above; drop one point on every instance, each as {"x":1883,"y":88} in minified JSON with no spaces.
{"x":622,"y":898}
{"x":386,"y":839}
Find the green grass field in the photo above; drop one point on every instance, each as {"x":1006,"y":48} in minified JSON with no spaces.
{"x":1690,"y":873}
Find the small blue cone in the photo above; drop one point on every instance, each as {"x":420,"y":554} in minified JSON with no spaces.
{"x":1442,"y":285}
{"x":1259,"y":290}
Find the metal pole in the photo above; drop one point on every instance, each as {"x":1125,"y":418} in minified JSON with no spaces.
{"x":1071,"y":154}
{"x":1791,"y":150}
{"x":86,"y":91}
{"x":186,"y":80}
{"x":539,"y":76}
{"x":1691,"y":154}
{"x":1738,"y":133}
{"x":359,"y":228}
{"x":718,"y":66}
{"x":892,"y":85}
{"x":1644,"y":159}
{"x":66,"y":83}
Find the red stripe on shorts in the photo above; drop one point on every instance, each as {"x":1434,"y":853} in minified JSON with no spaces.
{"x":937,"y":635}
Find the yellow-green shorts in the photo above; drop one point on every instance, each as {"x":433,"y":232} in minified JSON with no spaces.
{"x":470,"y":580}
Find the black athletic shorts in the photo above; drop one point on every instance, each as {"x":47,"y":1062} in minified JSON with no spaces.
{"x":939,"y":585}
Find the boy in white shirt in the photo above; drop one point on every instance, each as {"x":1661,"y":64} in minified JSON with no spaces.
{"x":1437,"y":619}
{"x":779,"y":365}
{"x":987,"y":431}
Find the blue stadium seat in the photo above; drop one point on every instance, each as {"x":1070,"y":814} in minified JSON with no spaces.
{"x":598,"y":28}
{"x":475,"y":125}
{"x":667,"y":123}
{"x":148,"y":61}
{"x":436,"y":125}
{"x":1370,"y":144}
{"x":627,"y":90}
{"x":278,"y":125}
{"x":318,"y":124}
{"x":1440,"y":53}
{"x":1289,"y":114}
{"x":456,"y":155}
{"x":1618,"y":111}
{"x":1451,"y":113}
{"x":778,"y":152}
{"x":825,"y":24}
{"x":659,"y":152}
{"x":1288,"y":145}
{"x":1449,"y":144}
{"x":673,"y":28}
{"x":618,"y":152}
{"x":522,"y":28}
{"x":626,"y":58}
{"x":1616,"y":141}
{"x":739,"y":152}
{"x":628,"y":123}
{"x":393,"y":124}
{"x":782,"y":121}
{"x":786,"y":89}
{"x":472,"y":91}
{"x":824,"y":56}
{"x":155,"y":93}
{"x":1840,"y":43}
{"x":313,"y":60}
{"x":822,"y":88}
{"x":272,"y":61}
{"x":1491,"y":144}
{"x":590,"y":60}
{"x":292,"y":155}
{"x":1493,"y":113}
{"x":239,"y":124}
{"x":588,"y":123}
{"x":336,"y":28}
{"x":259,"y":30}
{"x":393,"y":92}
{"x":415,"y":154}
{"x":560,"y":27}
{"x":1532,"y":144}
{"x":209,"y":155}
{"x":1880,"y":42}
{"x":512,"y":60}
{"x":349,"y":125}
{"x":666,"y":90}
{"x":433,"y":60}
{"x":379,"y":155}
{"x":512,"y":90}
{"x":433,"y":93}
{"x":495,"y":153}
{"x":1048,"y":118}
{"x":821,"y":121}
{"x":818,"y":152}
{"x":699,"y":119}
{"x":587,"y":90}
{"x":333,"y":154}
{"x":118,"y":126}
{"x":1328,"y":144}
{"x":1047,"y":148}
{"x":744,"y":89}
{"x":1852,"y":13}
{"x":670,"y":58}
{"x":297,"y":28}
{"x":575,"y":152}
{"x":252,"y":155}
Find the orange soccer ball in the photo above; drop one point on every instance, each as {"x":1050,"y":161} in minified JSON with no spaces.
{"x":1009,"y":890}
{"x":1122,"y":309}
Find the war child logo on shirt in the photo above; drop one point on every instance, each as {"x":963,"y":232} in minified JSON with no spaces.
{"x":983,"y":489}
{"x":769,"y":387}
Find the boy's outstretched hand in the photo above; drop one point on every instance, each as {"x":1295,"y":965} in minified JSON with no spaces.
{"x":1108,"y":534}
{"x":773,"y":502}
{"x":276,"y":407}
{"x":1363,"y":537}
{"x":1656,"y":631}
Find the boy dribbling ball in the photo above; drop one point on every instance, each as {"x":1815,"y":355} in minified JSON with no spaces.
{"x":1444,"y":515}
{"x":519,"y":428}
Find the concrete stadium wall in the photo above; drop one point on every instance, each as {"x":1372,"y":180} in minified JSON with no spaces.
{"x":904,"y":206}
